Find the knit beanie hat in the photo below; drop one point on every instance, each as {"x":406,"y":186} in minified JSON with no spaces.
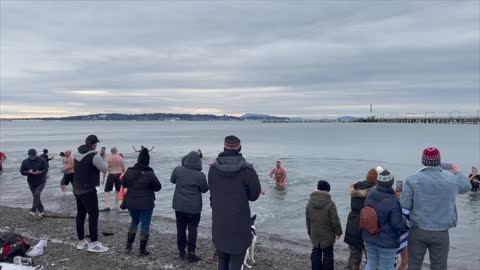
{"x":232,"y":143}
{"x":385,"y":179}
{"x":431,"y":157}
{"x":144,"y":157}
{"x":372,"y":176}
{"x":323,"y":185}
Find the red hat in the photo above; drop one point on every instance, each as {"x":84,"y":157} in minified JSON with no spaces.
{"x":431,"y":157}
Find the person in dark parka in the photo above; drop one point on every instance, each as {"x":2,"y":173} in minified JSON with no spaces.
{"x":233,"y":183}
{"x":190,"y":183}
{"x":140,"y":184}
{"x":353,"y":234}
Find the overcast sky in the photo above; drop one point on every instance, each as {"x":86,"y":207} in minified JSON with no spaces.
{"x":308,"y":59}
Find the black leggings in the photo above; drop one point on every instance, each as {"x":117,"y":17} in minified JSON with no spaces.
{"x":87,"y":204}
{"x":230,"y":261}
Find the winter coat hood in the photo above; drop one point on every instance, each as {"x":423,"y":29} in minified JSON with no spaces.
{"x":192,"y":161}
{"x":83,"y":151}
{"x":230,"y":162}
{"x":320,"y":199}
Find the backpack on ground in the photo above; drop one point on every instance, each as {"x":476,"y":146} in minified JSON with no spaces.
{"x":369,"y":219}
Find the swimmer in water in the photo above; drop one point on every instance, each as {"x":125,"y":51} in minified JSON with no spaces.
{"x":279,"y":174}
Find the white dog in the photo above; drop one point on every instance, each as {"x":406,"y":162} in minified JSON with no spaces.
{"x":251,"y":250}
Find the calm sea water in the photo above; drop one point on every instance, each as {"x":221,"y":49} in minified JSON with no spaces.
{"x":339,"y":153}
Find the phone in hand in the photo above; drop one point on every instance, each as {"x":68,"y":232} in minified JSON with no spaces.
{"x":102,"y":151}
{"x":399,"y":186}
{"x":446,"y":166}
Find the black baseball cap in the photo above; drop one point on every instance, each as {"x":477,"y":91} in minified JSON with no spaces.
{"x":91,"y":139}
{"x":32,"y":152}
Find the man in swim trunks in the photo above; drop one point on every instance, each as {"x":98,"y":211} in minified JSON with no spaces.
{"x":115,"y":168}
{"x":68,"y":165}
{"x":279,"y":174}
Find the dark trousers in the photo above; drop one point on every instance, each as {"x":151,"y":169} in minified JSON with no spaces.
{"x":142,"y":218}
{"x":355,"y":258}
{"x":37,"y":192}
{"x":87,"y":204}
{"x":230,"y":261}
{"x":187,"y":221}
{"x":322,"y":259}
{"x":437,"y":243}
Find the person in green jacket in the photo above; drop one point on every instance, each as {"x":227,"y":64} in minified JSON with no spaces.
{"x":323,"y":226}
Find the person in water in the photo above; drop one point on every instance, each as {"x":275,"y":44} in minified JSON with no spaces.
{"x":115,"y":168}
{"x":474,"y":178}
{"x":2,"y":158}
{"x":141,"y":148}
{"x":45,"y":156}
{"x":279,"y":174}
{"x":68,"y":169}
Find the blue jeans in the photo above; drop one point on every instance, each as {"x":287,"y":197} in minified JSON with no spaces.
{"x":141,"y":216}
{"x":380,"y":258}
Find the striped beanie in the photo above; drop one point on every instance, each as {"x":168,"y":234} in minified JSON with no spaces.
{"x":385,"y":179}
{"x":431,"y":157}
{"x":232,"y":143}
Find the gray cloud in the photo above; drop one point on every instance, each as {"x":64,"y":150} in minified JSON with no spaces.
{"x":313,"y":59}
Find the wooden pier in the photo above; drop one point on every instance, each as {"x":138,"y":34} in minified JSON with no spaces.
{"x":471,"y":120}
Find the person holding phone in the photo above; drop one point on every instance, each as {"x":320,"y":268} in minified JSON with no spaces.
{"x":88,"y":165}
{"x":35,"y":168}
{"x":430,"y":196}
{"x":474,"y":179}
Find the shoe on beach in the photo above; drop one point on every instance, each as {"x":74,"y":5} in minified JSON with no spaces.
{"x":32,"y":213}
{"x":191,"y":258}
{"x":106,"y":209}
{"x":82,"y":244}
{"x":97,"y":247}
{"x":182,"y":254}
{"x":212,"y":260}
{"x":41,"y":214}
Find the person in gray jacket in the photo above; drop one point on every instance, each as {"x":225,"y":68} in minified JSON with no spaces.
{"x":190,"y":183}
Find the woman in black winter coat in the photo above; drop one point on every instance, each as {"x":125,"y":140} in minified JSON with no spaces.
{"x":140,"y":184}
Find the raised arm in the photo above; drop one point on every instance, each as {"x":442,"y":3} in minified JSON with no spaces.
{"x":135,"y":149}
{"x":151,"y":149}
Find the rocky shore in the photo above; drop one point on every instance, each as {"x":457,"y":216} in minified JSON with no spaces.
{"x":61,"y":253}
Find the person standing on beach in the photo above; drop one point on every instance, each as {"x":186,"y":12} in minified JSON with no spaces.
{"x":233,"y":183}
{"x":116,"y":167}
{"x":35,"y":168}
{"x":323,"y":226}
{"x":353,"y":234}
{"x":279,"y":174}
{"x":88,"y":165}
{"x":140,"y":184}
{"x":190,"y":182}
{"x":382,"y":246}
{"x":68,"y":170}
{"x":474,"y":179}
{"x":2,"y":158}
{"x":45,"y":156}
{"x":424,"y":194}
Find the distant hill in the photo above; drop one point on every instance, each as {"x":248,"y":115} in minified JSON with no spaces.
{"x":143,"y":117}
{"x":254,"y":116}
{"x":347,"y":119}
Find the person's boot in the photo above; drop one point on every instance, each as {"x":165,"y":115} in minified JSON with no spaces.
{"x":182,"y":254}
{"x":213,"y":259}
{"x":191,"y":258}
{"x":143,"y":245}
{"x":130,"y":240}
